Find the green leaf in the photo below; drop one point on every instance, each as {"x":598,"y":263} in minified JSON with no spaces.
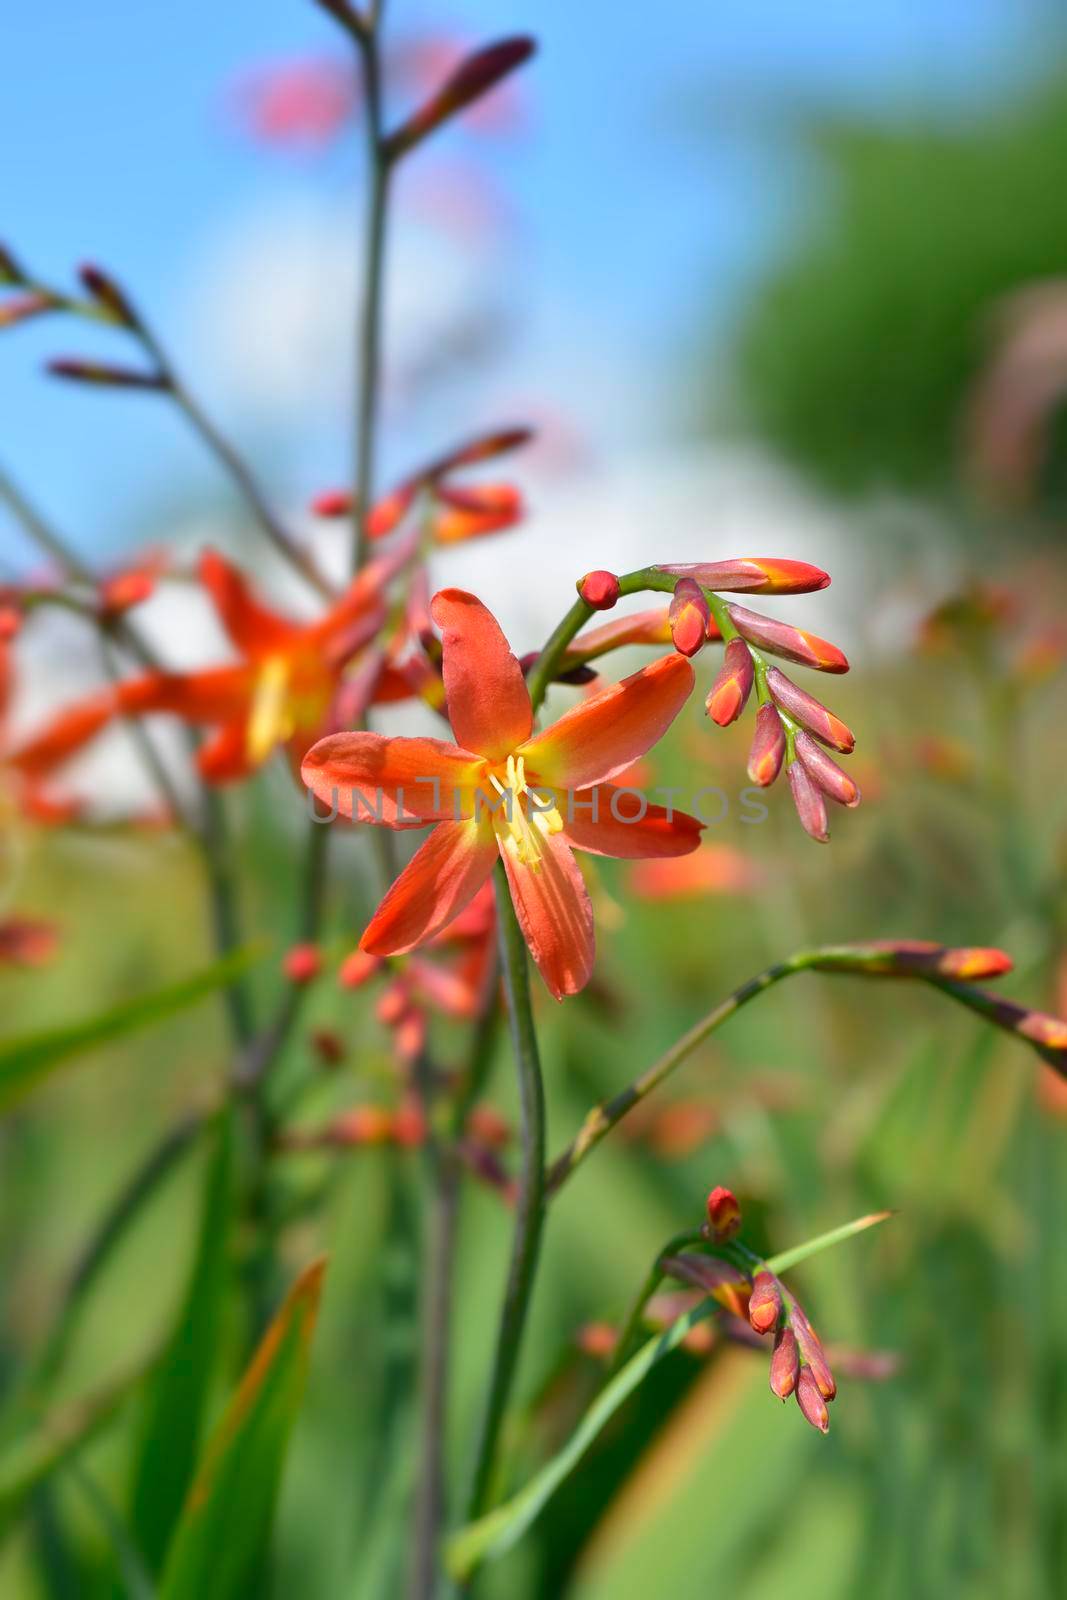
{"x":225,"y":1524}
{"x":823,"y":1241}
{"x":499,"y":1529}
{"x":25,"y":1061}
{"x":177,"y":1395}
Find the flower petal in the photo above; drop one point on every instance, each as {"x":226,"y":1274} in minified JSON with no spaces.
{"x":555,"y":915}
{"x":441,"y":878}
{"x":62,"y":737}
{"x":252,"y":627}
{"x":604,"y":734}
{"x":371,"y":778}
{"x":225,"y":757}
{"x":488,"y":702}
{"x":607,"y":821}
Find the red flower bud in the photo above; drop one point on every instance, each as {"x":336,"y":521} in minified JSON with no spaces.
{"x":599,"y":589}
{"x":811,"y":808}
{"x":733,"y":685}
{"x":105,"y":375}
{"x":10,"y":271}
{"x":332,"y":503}
{"x":830,"y":778}
{"x":107,"y":293}
{"x":753,"y":575}
{"x":724,"y":1213}
{"x":810,"y":712}
{"x":302,"y":963}
{"x":916,"y":958}
{"x":473,"y":78}
{"x":482,"y":448}
{"x":811,"y":1403}
{"x":125,"y":589}
{"x":780,"y":639}
{"x":689,"y":613}
{"x":765,"y":1302}
{"x":768,"y":747}
{"x":785,"y":1364}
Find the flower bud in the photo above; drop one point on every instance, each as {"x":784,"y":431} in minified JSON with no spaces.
{"x":599,"y":589}
{"x":813,"y":1354}
{"x":362,"y":1125}
{"x":689,"y":614}
{"x":106,"y":375}
{"x":482,"y":448}
{"x":768,"y":748}
{"x":126,"y":589}
{"x":765,"y":1302}
{"x":811,"y":808}
{"x":10,"y":271}
{"x":811,"y":713}
{"x":302,"y":963}
{"x":811,"y":1403}
{"x":474,"y":77}
{"x":753,"y":575}
{"x":724,"y":1213}
{"x":732,"y":687}
{"x":785,"y":1363}
{"x":825,"y":773}
{"x":780,"y":639}
{"x":332,"y":503}
{"x":472,"y":513}
{"x":106,"y":292}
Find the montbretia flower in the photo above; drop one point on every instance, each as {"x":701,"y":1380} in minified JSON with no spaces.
{"x":504,"y":790}
{"x":456,"y":512}
{"x":731,"y":689}
{"x":280,"y":693}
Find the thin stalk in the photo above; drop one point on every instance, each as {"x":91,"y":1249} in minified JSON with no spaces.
{"x":632,"y":1325}
{"x":604,"y":1117}
{"x":369,"y":318}
{"x":529,"y":1205}
{"x":435,"y":1315}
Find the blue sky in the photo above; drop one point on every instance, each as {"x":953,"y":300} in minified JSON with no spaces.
{"x":645,"y":182}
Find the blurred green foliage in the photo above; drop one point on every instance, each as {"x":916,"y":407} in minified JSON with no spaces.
{"x":858,"y":345}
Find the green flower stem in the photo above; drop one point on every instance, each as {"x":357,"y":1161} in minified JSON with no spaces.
{"x":604,"y":1117}
{"x":529,"y":1206}
{"x":632,"y":1326}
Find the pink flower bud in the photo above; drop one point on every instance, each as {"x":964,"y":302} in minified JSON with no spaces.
{"x":811,"y":713}
{"x":829,"y":777}
{"x":474,"y":77}
{"x":785,"y":1363}
{"x":768,"y":748}
{"x":106,"y":375}
{"x":24,"y":306}
{"x":811,"y":1403}
{"x":107,"y":293}
{"x":813,"y":1354}
{"x":811,"y":808}
{"x":753,"y":575}
{"x":358,"y":968}
{"x":689,"y":614}
{"x":767,"y":633}
{"x":599,"y":589}
{"x":732,"y":687}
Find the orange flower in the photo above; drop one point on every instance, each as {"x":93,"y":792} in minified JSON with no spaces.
{"x":502,"y":789}
{"x":280,"y":692}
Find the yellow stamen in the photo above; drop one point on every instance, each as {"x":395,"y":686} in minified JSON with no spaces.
{"x":524,"y":818}
{"x":271,"y":719}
